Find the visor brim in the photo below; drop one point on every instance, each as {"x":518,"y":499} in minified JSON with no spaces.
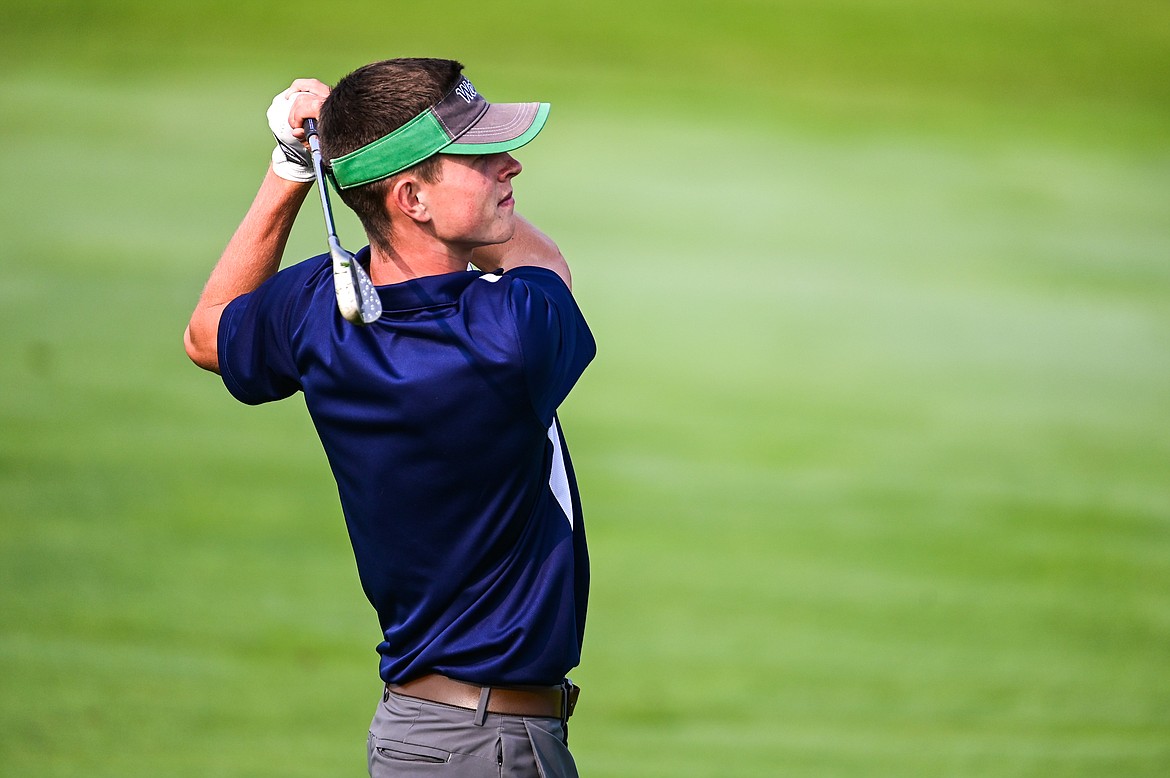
{"x":503,"y":127}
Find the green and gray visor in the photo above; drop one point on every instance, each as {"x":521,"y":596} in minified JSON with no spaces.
{"x":463,"y":122}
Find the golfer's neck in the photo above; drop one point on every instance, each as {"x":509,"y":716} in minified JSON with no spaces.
{"x":406,"y":259}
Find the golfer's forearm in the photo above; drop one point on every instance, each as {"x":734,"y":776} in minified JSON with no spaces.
{"x":252,"y":256}
{"x":527,"y":246}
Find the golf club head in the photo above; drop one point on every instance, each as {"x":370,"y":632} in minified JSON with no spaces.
{"x":357,"y":299}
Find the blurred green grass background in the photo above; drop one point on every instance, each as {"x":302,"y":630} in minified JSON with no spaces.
{"x":874,"y":453}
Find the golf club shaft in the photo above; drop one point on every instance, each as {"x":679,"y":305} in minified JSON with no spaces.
{"x":319,"y":171}
{"x":357,"y":299}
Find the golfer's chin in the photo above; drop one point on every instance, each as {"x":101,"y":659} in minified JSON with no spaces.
{"x":503,"y":230}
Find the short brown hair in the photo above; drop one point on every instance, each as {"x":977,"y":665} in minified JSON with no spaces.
{"x":372,"y":102}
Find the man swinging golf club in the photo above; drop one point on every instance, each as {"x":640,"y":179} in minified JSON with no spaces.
{"x":438,"y":417}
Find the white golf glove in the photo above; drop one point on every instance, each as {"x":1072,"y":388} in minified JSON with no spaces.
{"x":290,"y":160}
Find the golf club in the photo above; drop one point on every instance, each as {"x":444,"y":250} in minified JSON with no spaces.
{"x":357,"y":299}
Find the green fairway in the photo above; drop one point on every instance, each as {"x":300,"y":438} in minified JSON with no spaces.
{"x":875,"y":453}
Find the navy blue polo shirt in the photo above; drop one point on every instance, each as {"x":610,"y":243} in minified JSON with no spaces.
{"x":439,"y":423}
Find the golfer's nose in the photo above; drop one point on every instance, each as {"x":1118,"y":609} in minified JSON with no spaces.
{"x":511,"y":167}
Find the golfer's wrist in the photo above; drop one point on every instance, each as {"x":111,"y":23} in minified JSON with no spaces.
{"x":289,"y":170}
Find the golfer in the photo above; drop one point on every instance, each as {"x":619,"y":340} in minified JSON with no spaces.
{"x":438,"y":419}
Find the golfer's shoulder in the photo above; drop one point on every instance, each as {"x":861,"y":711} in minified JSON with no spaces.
{"x":292,"y":293}
{"x":535,"y":299}
{"x":529,"y":281}
{"x":303,"y":280}
{"x":521,"y":293}
{"x":312,"y":270}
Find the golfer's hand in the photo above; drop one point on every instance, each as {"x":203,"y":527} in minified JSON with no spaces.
{"x":286,"y":115}
{"x":306,"y":96}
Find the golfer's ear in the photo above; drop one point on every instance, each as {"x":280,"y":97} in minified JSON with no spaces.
{"x":408,"y":196}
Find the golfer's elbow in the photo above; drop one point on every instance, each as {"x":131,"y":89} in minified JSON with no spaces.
{"x":201,"y":345}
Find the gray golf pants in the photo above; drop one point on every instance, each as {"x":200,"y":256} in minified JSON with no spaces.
{"x":410,"y":737}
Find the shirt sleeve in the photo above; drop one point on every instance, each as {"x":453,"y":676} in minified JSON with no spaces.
{"x":255,"y":350}
{"x":555,"y":342}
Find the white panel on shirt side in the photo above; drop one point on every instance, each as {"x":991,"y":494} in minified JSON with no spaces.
{"x":558,"y":479}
